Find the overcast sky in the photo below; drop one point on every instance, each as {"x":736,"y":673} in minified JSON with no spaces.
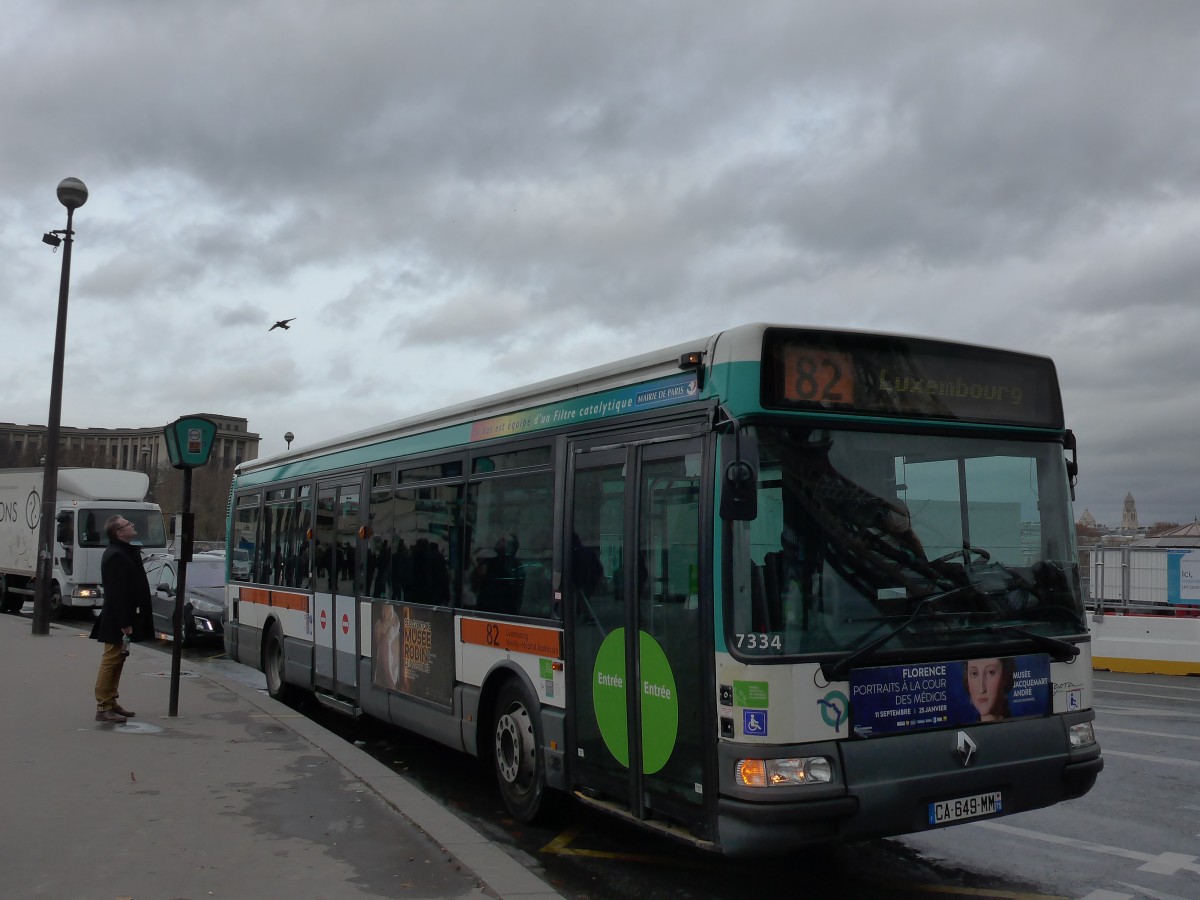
{"x":454,"y":199}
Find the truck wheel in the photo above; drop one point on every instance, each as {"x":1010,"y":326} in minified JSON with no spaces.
{"x":516,"y":750}
{"x":9,"y":604}
{"x":57,"y":610}
{"x":273,"y":660}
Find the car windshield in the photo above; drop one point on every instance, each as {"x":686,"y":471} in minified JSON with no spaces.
{"x":889,"y":541}
{"x":206,"y":573}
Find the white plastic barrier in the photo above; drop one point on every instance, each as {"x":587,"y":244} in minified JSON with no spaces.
{"x":1163,"y":645}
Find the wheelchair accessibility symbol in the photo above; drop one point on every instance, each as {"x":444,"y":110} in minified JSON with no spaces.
{"x":754,"y":722}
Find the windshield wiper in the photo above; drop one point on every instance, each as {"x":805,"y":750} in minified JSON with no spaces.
{"x":1062,"y":651}
{"x":839,"y":669}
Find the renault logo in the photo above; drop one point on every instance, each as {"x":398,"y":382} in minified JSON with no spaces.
{"x":966,"y":748}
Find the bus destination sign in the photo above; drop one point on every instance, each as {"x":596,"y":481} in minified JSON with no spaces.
{"x":897,"y":376}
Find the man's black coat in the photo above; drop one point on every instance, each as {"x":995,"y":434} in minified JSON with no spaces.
{"x":126,"y":595}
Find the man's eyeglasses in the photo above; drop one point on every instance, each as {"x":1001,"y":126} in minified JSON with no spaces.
{"x":124,"y":525}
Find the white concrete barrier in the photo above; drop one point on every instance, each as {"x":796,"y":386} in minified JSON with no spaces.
{"x":1163,"y":645}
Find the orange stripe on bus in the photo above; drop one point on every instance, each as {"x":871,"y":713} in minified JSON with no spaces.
{"x":281,"y":599}
{"x":517,"y":638}
{"x":290,"y":601}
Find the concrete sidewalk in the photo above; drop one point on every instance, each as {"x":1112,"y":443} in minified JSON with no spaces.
{"x":238,"y":796}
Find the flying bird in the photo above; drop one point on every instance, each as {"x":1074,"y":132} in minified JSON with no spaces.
{"x":282,"y":323}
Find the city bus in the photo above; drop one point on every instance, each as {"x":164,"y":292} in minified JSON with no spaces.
{"x":775,"y":587}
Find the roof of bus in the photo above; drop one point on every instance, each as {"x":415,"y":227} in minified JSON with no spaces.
{"x":632,"y":370}
{"x":739,"y":344}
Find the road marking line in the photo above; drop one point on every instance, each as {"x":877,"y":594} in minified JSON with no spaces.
{"x":1153,"y":895}
{"x":989,"y":892}
{"x":1168,"y":863}
{"x":1169,"y":760}
{"x":1140,"y":694}
{"x":561,"y":846}
{"x":1170,"y":687}
{"x":1145,"y":711}
{"x":1081,"y":845}
{"x":1106,"y":895}
{"x":1162,"y":734}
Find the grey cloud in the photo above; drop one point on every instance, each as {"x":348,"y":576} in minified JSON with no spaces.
{"x":498,"y":193}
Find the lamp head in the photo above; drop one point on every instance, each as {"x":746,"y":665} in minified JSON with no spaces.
{"x":51,"y":238}
{"x":72,"y":193}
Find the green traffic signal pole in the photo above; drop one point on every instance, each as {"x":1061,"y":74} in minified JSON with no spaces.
{"x":189,"y":442}
{"x":185,"y":556}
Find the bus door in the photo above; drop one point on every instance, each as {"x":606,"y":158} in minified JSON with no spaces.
{"x":335,"y":627}
{"x":637,"y":669}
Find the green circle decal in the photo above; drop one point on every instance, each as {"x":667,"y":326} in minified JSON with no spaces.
{"x":660,"y":706}
{"x":608,"y":695}
{"x":658,"y":698}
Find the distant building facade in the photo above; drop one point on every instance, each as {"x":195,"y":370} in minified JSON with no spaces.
{"x":138,"y":449}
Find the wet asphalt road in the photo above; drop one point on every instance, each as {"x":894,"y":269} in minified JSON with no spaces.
{"x":1133,"y":836}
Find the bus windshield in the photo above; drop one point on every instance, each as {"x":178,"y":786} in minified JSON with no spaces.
{"x":960,"y":541}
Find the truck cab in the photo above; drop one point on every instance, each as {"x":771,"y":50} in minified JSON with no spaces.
{"x":86,"y":499}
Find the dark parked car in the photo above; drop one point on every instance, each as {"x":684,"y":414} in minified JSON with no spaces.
{"x":204,"y":606}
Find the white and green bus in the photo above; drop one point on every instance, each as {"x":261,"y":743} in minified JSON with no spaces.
{"x":773,"y":587}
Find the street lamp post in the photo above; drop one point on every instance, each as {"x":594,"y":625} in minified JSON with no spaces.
{"x":289,"y":437}
{"x":72,"y":193}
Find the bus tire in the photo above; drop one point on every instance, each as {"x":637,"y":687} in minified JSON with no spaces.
{"x":516,"y":751}
{"x":273,"y":665}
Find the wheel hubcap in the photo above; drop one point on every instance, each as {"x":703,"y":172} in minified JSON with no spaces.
{"x":514,"y":752}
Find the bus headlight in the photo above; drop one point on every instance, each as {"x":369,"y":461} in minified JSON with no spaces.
{"x":783,"y":772}
{"x":1082,"y":734}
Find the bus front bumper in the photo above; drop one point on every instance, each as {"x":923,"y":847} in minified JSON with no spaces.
{"x":889,"y":785}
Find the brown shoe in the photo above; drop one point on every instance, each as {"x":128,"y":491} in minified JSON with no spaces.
{"x":122,"y":711}
{"x":110,"y":715}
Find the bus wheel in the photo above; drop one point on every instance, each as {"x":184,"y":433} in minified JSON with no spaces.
{"x":273,"y":658}
{"x":516,"y":748}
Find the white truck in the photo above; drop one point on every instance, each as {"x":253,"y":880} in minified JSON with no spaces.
{"x":86,"y":498}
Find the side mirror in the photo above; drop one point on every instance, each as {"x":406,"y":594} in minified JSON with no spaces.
{"x":1072,"y":462}
{"x":739,"y":482}
{"x":65,"y":529}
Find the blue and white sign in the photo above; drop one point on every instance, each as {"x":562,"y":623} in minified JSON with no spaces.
{"x":1183,"y":576}
{"x":754,"y":722}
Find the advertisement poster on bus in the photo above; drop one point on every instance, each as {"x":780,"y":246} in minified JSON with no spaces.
{"x":413,"y":651}
{"x":891,"y":699}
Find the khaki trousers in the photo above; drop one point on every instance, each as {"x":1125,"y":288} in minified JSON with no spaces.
{"x":109,"y":676}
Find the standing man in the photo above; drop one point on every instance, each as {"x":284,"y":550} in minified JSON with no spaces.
{"x":125,"y":614}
